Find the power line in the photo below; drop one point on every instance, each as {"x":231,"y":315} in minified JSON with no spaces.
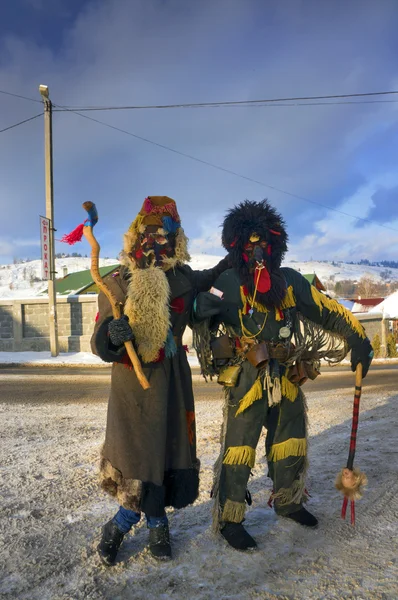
{"x":21,"y":122}
{"x":19,"y":96}
{"x":232,"y":103}
{"x":186,"y":107}
{"x":223,"y":169}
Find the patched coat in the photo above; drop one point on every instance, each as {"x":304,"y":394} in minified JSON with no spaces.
{"x":149,"y":456}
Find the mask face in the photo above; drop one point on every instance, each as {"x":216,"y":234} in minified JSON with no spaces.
{"x":256,"y":252}
{"x":152,"y":245}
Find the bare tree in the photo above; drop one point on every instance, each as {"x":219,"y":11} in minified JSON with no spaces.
{"x":366,"y":286}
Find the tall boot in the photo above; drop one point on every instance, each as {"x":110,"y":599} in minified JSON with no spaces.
{"x":110,"y":542}
{"x":159,"y":542}
{"x":237,"y":536}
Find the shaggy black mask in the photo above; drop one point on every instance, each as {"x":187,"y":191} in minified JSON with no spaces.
{"x":240,"y":223}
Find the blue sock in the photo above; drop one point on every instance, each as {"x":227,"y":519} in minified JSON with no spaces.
{"x":153,"y":522}
{"x":125,"y":519}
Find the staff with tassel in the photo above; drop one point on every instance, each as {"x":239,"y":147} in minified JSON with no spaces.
{"x":76,"y":235}
{"x":350,"y":481}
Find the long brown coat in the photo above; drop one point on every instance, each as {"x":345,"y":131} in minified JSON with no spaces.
{"x":149,"y":455}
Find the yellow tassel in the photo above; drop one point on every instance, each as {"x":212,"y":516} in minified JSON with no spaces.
{"x":233,"y":512}
{"x":247,"y":299}
{"x":323,"y":301}
{"x":289,"y":300}
{"x":289,"y":389}
{"x":240,"y":455}
{"x":134,"y":227}
{"x":255,"y":393}
{"x":291,"y":447}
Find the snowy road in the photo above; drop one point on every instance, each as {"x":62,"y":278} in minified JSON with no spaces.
{"x":51,"y":512}
{"x":62,"y":384}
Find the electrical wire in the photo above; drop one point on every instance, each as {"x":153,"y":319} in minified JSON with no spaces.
{"x":264,"y":102}
{"x":19,"y":96}
{"x":229,"y":171}
{"x":21,"y":122}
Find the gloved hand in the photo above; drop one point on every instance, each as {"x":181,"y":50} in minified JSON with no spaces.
{"x":120,"y":331}
{"x":361,"y":352}
{"x":209,"y":305}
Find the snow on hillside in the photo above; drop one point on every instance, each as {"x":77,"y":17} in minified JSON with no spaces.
{"x":24,"y":280}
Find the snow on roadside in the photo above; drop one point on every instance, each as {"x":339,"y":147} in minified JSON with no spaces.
{"x":52,"y":512}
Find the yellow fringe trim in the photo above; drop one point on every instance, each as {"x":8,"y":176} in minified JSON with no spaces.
{"x":292,"y":447}
{"x":240,"y":455}
{"x":323,"y":301}
{"x":288,"y":301}
{"x":135,"y":225}
{"x":255,"y":393}
{"x":233,"y":512}
{"x":289,"y":389}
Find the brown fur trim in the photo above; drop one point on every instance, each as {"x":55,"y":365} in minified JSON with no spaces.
{"x":147,"y":308}
{"x":127,"y":491}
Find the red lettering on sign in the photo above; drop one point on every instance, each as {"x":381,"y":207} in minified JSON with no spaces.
{"x":45,"y":247}
{"x":45,"y":256}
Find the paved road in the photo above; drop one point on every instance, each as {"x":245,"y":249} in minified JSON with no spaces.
{"x":64,"y":384}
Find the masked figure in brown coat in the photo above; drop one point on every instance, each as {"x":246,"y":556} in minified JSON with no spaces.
{"x":149,"y":456}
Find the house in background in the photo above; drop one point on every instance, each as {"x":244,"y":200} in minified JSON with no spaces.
{"x":315,"y":281}
{"x":81,"y":282}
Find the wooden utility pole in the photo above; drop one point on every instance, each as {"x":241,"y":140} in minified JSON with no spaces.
{"x":48,"y":153}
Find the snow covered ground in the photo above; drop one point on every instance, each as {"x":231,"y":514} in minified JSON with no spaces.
{"x":52,"y":512}
{"x":20,"y":280}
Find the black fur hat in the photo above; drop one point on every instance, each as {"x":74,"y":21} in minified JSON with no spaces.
{"x":254,"y":217}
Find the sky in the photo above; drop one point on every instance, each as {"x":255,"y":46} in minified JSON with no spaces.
{"x":145,"y":52}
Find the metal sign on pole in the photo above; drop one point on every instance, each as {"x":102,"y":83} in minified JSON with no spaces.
{"x":48,"y":153}
{"x":45,"y":247}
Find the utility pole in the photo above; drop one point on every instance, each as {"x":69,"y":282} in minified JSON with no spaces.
{"x":48,"y":154}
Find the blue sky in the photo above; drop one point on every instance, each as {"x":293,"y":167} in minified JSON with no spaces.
{"x":172,"y":51}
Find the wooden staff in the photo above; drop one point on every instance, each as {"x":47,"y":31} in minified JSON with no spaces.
{"x":95,"y":249}
{"x":350,"y":481}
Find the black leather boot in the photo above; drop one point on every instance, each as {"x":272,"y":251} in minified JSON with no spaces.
{"x":110,"y":542}
{"x":237,"y":536}
{"x":303,"y":517}
{"x":159,"y":542}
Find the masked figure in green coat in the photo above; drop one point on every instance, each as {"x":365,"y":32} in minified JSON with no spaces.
{"x":264,"y":331}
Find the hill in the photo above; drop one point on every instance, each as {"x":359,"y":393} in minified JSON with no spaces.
{"x":23,"y":280}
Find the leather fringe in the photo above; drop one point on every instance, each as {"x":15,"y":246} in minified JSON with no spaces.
{"x":291,"y":447}
{"x":289,"y":389}
{"x":333,"y":306}
{"x":233,"y":512}
{"x":240,"y":455}
{"x":255,"y":393}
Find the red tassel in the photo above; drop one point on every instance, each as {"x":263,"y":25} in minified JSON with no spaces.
{"x":271,"y":499}
{"x":344,"y":507}
{"x":352,"y":512}
{"x":74,"y":236}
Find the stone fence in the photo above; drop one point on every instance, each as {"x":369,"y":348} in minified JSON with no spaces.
{"x":24,"y":324}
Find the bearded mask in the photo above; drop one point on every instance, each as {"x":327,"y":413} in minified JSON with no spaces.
{"x":255,"y":237}
{"x":152,"y":246}
{"x":154,"y":243}
{"x":155,"y":238}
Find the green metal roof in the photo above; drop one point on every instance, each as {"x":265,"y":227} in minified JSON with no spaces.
{"x":313,"y":279}
{"x":81,"y":282}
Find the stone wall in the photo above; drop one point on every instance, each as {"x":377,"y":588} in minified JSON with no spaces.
{"x":24,"y":324}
